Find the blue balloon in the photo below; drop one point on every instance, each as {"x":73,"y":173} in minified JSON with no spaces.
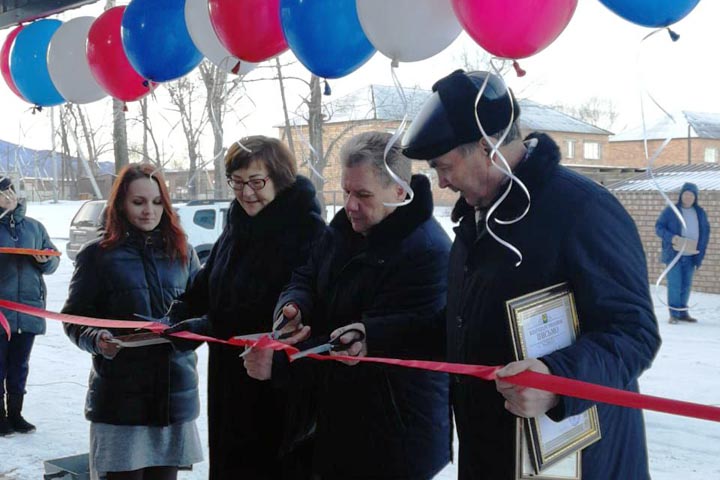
{"x":651,"y":13}
{"x":156,"y":39}
{"x":28,"y":63}
{"x":325,"y":35}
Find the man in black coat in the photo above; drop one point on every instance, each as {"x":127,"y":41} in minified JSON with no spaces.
{"x":576,"y":232}
{"x":380,"y":268}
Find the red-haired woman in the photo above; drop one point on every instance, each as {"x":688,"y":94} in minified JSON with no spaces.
{"x":142,"y":402}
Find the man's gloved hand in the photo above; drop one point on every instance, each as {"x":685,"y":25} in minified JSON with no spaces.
{"x":199,"y":326}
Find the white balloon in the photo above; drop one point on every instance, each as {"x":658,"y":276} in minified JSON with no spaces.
{"x":408,"y":30}
{"x":197,"y":18}
{"x":68,"y":65}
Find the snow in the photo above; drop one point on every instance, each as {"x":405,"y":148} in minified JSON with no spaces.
{"x":686,"y":368}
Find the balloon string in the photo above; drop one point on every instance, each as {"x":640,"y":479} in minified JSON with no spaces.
{"x":644,"y":91}
{"x":395,"y":137}
{"x":503,"y":167}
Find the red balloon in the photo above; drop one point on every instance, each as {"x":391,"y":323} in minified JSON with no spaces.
{"x":109,"y":63}
{"x":249,"y":29}
{"x":5,"y":61}
{"x":514,"y":29}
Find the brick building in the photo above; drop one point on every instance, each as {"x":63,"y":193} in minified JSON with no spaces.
{"x":695,"y":140}
{"x":377,"y":107}
{"x":642,"y":200}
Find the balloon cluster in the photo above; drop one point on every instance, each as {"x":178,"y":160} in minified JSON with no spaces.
{"x":126,"y":51}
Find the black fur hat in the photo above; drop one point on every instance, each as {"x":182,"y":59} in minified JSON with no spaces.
{"x":6,"y":183}
{"x":447,"y":119}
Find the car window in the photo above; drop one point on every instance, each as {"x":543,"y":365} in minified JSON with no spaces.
{"x":88,"y":215}
{"x":205,"y":219}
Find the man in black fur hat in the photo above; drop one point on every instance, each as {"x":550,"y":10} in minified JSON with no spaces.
{"x":575,"y":231}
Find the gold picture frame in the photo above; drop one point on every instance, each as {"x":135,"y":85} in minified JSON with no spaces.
{"x":542,"y":322}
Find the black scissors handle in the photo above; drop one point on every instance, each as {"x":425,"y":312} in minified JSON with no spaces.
{"x":338,"y":346}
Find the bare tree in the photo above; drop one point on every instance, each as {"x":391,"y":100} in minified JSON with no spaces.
{"x":598,"y":111}
{"x":120,"y":138}
{"x":220,"y":92}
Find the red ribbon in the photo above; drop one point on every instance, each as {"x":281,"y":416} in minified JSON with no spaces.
{"x":540,"y":381}
{"x":29,"y":251}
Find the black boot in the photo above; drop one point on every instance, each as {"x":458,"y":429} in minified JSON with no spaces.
{"x":17,"y":422}
{"x":5,"y":428}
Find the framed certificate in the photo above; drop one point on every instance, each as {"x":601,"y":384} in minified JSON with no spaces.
{"x":540,"y":323}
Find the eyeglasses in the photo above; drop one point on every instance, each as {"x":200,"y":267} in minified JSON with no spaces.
{"x":255,"y":183}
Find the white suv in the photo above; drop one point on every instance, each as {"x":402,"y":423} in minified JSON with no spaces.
{"x":202,"y":220}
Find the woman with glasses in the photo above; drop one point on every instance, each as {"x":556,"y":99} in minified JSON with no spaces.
{"x":253,"y":428}
{"x":142,"y":402}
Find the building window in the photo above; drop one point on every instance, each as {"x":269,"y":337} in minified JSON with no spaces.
{"x":711,"y":155}
{"x":591,"y":150}
{"x":570,"y":148}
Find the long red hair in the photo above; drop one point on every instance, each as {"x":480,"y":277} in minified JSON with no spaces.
{"x":117,"y":224}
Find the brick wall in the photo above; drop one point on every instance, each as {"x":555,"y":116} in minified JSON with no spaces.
{"x":632,"y":154}
{"x":563,"y":139}
{"x":645,"y":207}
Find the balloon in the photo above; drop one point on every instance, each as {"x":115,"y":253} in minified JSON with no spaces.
{"x":651,"y":13}
{"x":28,"y":63}
{"x":68,"y":64}
{"x":249,"y":29}
{"x":156,"y":39}
{"x":108,"y":62}
{"x":408,"y":30}
{"x":514,"y":29}
{"x":325,"y":35}
{"x":197,"y":17}
{"x":5,"y":61}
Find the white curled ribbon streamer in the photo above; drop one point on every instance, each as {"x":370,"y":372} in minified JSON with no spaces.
{"x":314,"y":155}
{"x":651,"y":162}
{"x":503,"y":167}
{"x":395,"y":137}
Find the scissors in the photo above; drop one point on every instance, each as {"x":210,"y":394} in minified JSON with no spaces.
{"x":275,"y":334}
{"x":334,"y":345}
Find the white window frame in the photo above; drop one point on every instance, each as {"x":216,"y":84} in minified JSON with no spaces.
{"x":570,"y":148}
{"x":591,"y":150}
{"x":711,"y":155}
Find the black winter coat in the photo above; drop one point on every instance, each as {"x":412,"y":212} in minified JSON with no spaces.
{"x":154,"y":385}
{"x":575,"y":232}
{"x":376,"y":421}
{"x":237,"y":289}
{"x":21,"y":277}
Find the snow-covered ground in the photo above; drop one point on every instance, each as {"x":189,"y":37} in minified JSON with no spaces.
{"x":686,"y":368}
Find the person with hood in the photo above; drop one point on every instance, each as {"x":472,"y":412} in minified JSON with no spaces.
{"x":21,"y":280}
{"x":142,"y":402}
{"x":692,"y":239}
{"x":575,"y":232}
{"x":255,"y":432}
{"x":379,"y":268}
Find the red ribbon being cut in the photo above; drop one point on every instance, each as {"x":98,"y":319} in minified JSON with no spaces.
{"x":540,"y":381}
{"x":29,"y":251}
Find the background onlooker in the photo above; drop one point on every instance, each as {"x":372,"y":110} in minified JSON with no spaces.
{"x":20,"y":281}
{"x":694,"y":237}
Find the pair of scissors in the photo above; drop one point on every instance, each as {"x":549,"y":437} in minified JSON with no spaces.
{"x":275,"y":334}
{"x":333,"y":345}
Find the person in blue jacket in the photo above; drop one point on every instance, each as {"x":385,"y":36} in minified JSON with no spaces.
{"x":697,"y":230}
{"x":378,"y":268}
{"x":576,"y":232}
{"x":21,"y":280}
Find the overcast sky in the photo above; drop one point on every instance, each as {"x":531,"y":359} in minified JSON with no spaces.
{"x":597,"y":55}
